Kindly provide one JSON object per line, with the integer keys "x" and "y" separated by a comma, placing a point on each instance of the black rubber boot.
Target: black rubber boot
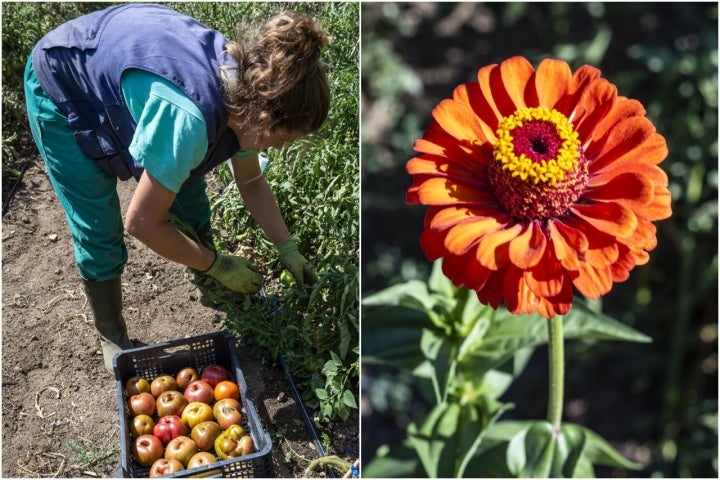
{"x": 105, "y": 300}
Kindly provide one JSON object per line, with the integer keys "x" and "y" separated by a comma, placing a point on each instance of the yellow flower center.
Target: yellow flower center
{"x": 538, "y": 145}
{"x": 540, "y": 170}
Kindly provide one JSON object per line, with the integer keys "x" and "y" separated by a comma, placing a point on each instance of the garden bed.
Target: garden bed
{"x": 59, "y": 403}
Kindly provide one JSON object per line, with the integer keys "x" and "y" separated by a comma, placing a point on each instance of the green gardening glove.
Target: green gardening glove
{"x": 235, "y": 273}
{"x": 300, "y": 268}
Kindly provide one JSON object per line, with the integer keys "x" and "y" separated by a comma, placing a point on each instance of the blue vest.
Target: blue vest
{"x": 79, "y": 66}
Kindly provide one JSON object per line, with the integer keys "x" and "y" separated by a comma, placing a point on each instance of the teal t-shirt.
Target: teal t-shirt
{"x": 171, "y": 135}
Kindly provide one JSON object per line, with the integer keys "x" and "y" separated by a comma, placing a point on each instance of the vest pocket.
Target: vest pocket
{"x": 100, "y": 145}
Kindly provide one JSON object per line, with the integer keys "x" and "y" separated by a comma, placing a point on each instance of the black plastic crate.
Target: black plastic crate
{"x": 197, "y": 352}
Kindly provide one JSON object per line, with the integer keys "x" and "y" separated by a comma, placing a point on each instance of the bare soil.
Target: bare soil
{"x": 59, "y": 409}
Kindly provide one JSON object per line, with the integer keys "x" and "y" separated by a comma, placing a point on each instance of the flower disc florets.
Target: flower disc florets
{"x": 539, "y": 168}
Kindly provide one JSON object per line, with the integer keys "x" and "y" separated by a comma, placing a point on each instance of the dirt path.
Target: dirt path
{"x": 60, "y": 417}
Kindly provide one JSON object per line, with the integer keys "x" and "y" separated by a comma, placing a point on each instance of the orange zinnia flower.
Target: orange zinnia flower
{"x": 538, "y": 180}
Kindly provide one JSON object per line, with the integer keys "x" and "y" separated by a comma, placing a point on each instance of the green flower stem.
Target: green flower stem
{"x": 557, "y": 371}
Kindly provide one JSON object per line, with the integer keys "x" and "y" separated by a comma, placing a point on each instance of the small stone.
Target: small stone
{"x": 53, "y": 237}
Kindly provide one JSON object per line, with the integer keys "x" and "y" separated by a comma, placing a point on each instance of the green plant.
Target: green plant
{"x": 85, "y": 455}
{"x": 468, "y": 356}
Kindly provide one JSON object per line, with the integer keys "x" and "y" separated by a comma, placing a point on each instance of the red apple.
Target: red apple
{"x": 163, "y": 466}
{"x": 205, "y": 433}
{"x": 214, "y": 374}
{"x": 199, "y": 391}
{"x": 185, "y": 377}
{"x": 146, "y": 449}
{"x": 226, "y": 415}
{"x": 171, "y": 402}
{"x": 226, "y": 401}
{"x": 181, "y": 448}
{"x": 196, "y": 412}
{"x": 169, "y": 427}
{"x": 141, "y": 425}
{"x": 202, "y": 459}
{"x": 141, "y": 404}
{"x": 136, "y": 384}
{"x": 161, "y": 384}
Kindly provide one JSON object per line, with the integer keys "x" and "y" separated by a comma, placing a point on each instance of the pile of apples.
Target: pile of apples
{"x": 186, "y": 421}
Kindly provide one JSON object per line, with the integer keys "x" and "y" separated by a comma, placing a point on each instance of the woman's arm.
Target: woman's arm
{"x": 259, "y": 198}
{"x": 145, "y": 220}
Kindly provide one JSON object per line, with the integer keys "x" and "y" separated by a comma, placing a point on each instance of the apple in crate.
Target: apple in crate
{"x": 214, "y": 374}
{"x": 181, "y": 448}
{"x": 199, "y": 391}
{"x": 163, "y": 466}
{"x": 171, "y": 402}
{"x": 146, "y": 449}
{"x": 169, "y": 427}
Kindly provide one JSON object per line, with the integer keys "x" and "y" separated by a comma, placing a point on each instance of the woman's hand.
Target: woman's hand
{"x": 300, "y": 268}
{"x": 236, "y": 273}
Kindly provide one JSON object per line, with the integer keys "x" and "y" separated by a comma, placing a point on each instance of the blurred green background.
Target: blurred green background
{"x": 656, "y": 403}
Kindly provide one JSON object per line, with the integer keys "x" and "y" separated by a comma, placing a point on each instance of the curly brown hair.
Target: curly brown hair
{"x": 280, "y": 78}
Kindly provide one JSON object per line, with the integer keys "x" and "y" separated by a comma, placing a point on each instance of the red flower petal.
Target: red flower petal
{"x": 570, "y": 244}
{"x": 491, "y": 293}
{"x": 547, "y": 278}
{"x": 462, "y": 237}
{"x": 649, "y": 172}
{"x": 459, "y": 121}
{"x": 470, "y": 95}
{"x": 492, "y": 251}
{"x": 596, "y": 101}
{"x": 518, "y": 296}
{"x": 516, "y": 73}
{"x": 623, "y": 140}
{"x": 440, "y": 167}
{"x": 593, "y": 282}
{"x": 551, "y": 81}
{"x": 450, "y": 216}
{"x": 439, "y": 191}
{"x": 579, "y": 81}
{"x": 528, "y": 248}
{"x": 560, "y": 304}
{"x": 432, "y": 243}
{"x": 611, "y": 218}
{"x": 629, "y": 189}
{"x": 621, "y": 109}
{"x": 660, "y": 208}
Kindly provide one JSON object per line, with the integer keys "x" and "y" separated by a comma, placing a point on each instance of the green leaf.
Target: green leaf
{"x": 572, "y": 444}
{"x": 398, "y": 461}
{"x": 410, "y": 294}
{"x": 449, "y": 438}
{"x": 490, "y": 462}
{"x": 533, "y": 451}
{"x": 435, "y": 440}
{"x": 540, "y": 451}
{"x": 392, "y": 335}
{"x": 585, "y": 323}
{"x": 599, "y": 451}
{"x": 477, "y": 442}
{"x": 439, "y": 283}
{"x": 349, "y": 399}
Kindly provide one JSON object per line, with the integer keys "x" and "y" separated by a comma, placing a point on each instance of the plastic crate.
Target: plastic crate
{"x": 197, "y": 352}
